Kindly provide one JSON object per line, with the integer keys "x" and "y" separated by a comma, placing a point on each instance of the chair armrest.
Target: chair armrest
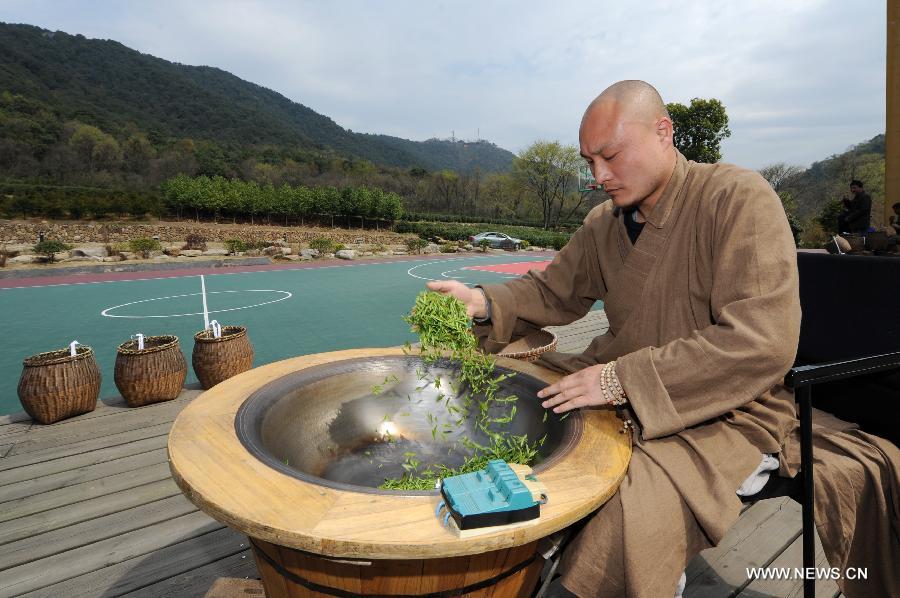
{"x": 807, "y": 375}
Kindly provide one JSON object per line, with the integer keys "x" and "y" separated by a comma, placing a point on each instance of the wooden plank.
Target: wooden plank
{"x": 146, "y": 570}
{"x": 77, "y": 430}
{"x": 83, "y": 492}
{"x": 34, "y": 547}
{"x": 46, "y": 456}
{"x": 197, "y": 581}
{"x": 100, "y": 555}
{"x": 793, "y": 588}
{"x": 73, "y": 477}
{"x": 764, "y": 531}
{"x": 21, "y": 420}
{"x": 66, "y": 515}
{"x": 13, "y": 418}
{"x": 64, "y": 464}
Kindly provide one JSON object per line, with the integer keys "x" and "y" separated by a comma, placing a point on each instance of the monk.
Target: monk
{"x": 696, "y": 267}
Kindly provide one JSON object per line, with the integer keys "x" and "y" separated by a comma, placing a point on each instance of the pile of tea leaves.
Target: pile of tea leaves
{"x": 444, "y": 333}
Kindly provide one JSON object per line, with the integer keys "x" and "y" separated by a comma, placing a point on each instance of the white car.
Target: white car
{"x": 498, "y": 240}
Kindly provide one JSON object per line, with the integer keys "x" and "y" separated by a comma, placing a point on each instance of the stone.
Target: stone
{"x": 399, "y": 252}
{"x": 286, "y": 251}
{"x": 272, "y": 250}
{"x": 24, "y": 259}
{"x": 129, "y": 255}
{"x": 293, "y": 258}
{"x": 309, "y": 253}
{"x": 82, "y": 258}
{"x": 432, "y": 248}
{"x": 191, "y": 253}
{"x": 216, "y": 252}
{"x": 76, "y": 238}
{"x": 162, "y": 257}
{"x": 95, "y": 252}
{"x": 61, "y": 256}
{"x": 328, "y": 256}
{"x": 346, "y": 254}
{"x": 113, "y": 258}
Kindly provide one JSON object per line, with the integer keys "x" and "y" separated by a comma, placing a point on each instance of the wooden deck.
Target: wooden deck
{"x": 88, "y": 508}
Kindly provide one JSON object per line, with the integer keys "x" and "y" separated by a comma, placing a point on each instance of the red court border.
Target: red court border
{"x": 88, "y": 278}
{"x": 512, "y": 268}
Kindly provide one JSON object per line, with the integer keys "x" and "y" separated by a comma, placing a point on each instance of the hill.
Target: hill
{"x": 119, "y": 90}
{"x": 829, "y": 179}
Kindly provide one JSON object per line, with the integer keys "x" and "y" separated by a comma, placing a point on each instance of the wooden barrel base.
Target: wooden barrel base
{"x": 290, "y": 573}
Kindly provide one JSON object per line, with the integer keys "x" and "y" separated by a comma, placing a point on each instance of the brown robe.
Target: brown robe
{"x": 704, "y": 321}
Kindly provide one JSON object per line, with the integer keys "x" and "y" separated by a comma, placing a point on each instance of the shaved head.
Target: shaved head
{"x": 635, "y": 100}
{"x": 626, "y": 137}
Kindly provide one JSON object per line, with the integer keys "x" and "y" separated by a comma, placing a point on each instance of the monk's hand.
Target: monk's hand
{"x": 581, "y": 389}
{"x": 476, "y": 306}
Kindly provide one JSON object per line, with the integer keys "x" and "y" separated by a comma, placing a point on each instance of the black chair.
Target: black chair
{"x": 849, "y": 343}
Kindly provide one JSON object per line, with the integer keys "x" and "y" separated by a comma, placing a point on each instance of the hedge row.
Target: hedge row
{"x": 411, "y": 216}
{"x": 236, "y": 198}
{"x": 458, "y": 231}
{"x": 54, "y": 202}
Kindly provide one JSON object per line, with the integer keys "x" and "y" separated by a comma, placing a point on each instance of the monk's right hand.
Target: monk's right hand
{"x": 476, "y": 305}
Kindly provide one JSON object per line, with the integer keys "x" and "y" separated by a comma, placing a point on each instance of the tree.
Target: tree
{"x": 548, "y": 169}
{"x": 700, "y": 129}
{"x": 779, "y": 174}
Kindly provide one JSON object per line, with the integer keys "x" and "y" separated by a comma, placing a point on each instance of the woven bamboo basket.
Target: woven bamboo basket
{"x": 218, "y": 359}
{"x": 152, "y": 374}
{"x": 56, "y": 385}
{"x": 529, "y": 348}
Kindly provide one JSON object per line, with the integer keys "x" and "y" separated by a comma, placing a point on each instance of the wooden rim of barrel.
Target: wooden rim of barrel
{"x": 218, "y": 474}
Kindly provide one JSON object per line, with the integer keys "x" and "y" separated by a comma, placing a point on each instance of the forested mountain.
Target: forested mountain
{"x": 123, "y": 92}
{"x": 826, "y": 181}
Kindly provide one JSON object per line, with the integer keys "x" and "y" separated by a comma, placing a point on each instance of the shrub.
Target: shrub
{"x": 379, "y": 248}
{"x": 415, "y": 245}
{"x": 322, "y": 244}
{"x": 525, "y": 244}
{"x": 195, "y": 241}
{"x": 235, "y": 245}
{"x": 144, "y": 246}
{"x": 338, "y": 247}
{"x": 462, "y": 231}
{"x": 49, "y": 248}
{"x": 484, "y": 244}
{"x": 448, "y": 248}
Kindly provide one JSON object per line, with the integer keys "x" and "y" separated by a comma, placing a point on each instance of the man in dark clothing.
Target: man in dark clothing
{"x": 857, "y": 210}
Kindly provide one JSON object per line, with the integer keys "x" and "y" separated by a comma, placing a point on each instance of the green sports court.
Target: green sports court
{"x": 288, "y": 310}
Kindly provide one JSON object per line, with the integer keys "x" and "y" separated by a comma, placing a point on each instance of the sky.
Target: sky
{"x": 801, "y": 80}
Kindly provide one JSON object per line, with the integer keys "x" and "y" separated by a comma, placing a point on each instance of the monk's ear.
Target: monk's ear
{"x": 664, "y": 130}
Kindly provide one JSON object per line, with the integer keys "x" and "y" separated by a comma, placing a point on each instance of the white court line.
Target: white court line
{"x": 205, "y": 309}
{"x": 431, "y": 264}
{"x": 286, "y": 295}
